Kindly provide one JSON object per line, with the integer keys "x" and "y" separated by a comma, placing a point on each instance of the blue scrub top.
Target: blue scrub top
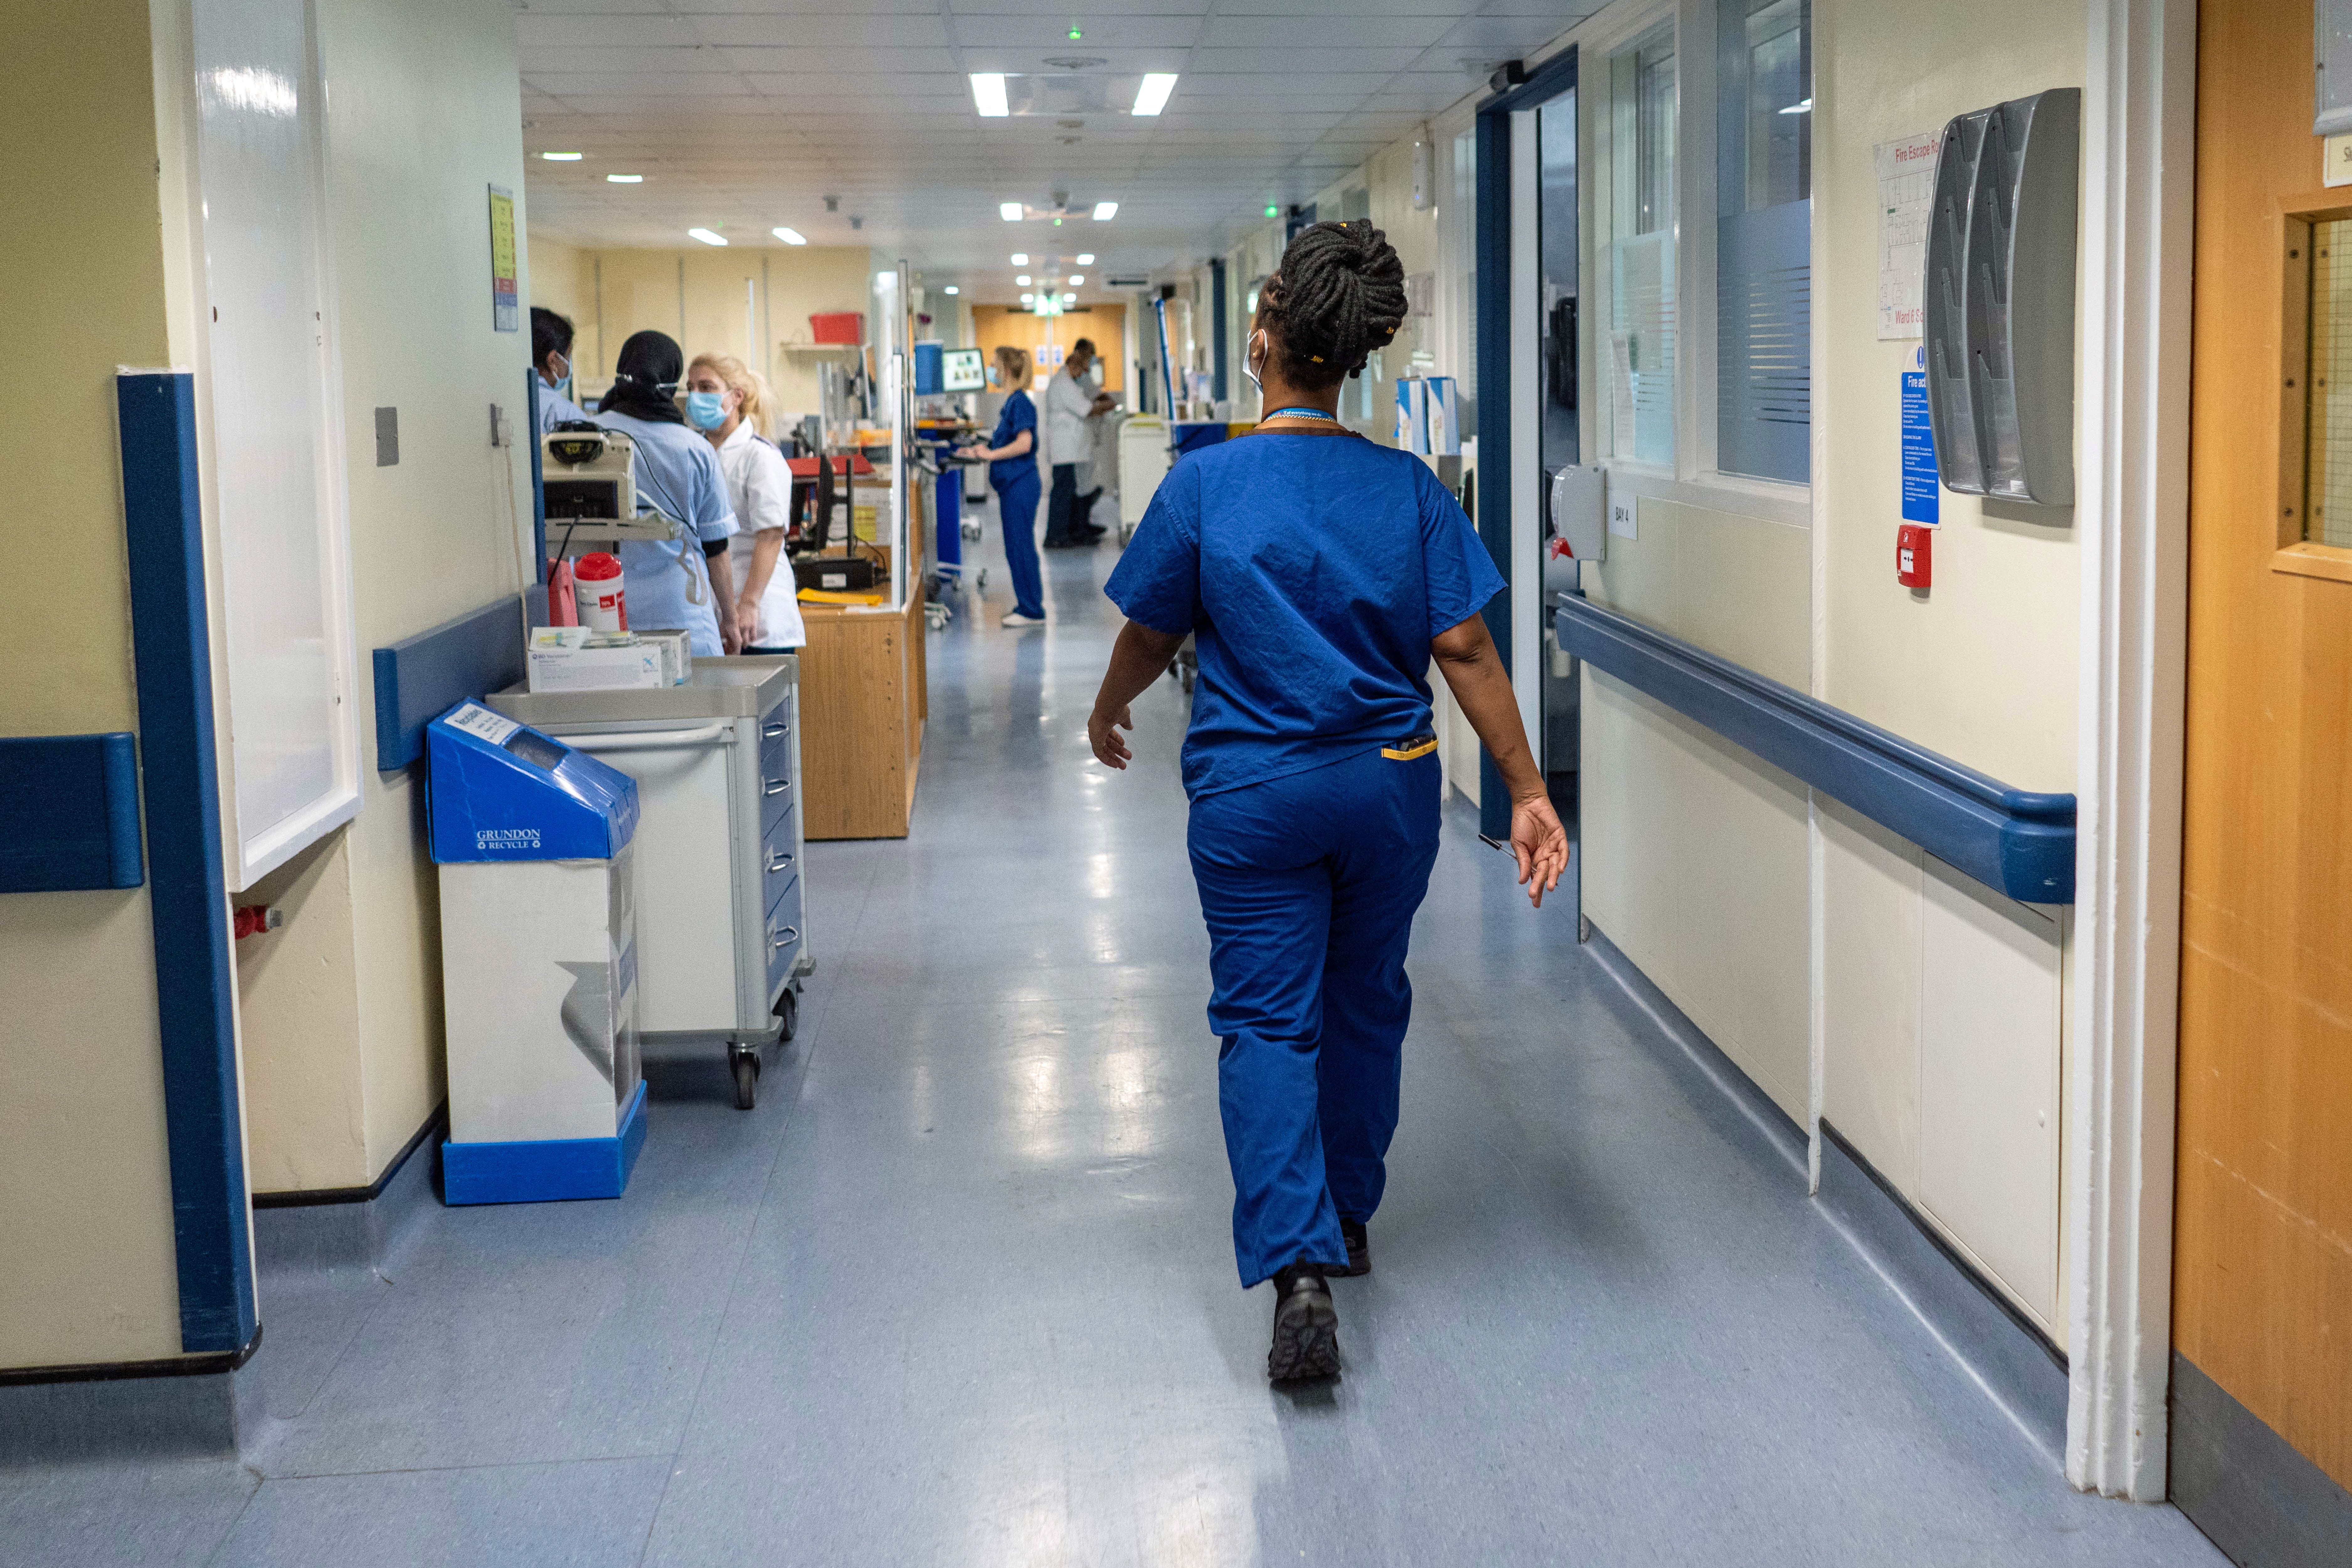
{"x": 1314, "y": 570}
{"x": 1019, "y": 414}
{"x": 551, "y": 407}
{"x": 678, "y": 472}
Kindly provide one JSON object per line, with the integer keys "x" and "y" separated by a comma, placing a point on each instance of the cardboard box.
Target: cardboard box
{"x": 1444, "y": 416}
{"x": 575, "y": 659}
{"x": 678, "y": 654}
{"x": 1413, "y": 415}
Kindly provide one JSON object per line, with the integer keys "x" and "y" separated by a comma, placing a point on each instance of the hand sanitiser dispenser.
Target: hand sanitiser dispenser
{"x": 539, "y": 956}
{"x": 2000, "y": 299}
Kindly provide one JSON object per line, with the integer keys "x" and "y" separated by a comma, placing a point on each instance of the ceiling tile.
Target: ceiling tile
{"x": 911, "y": 33}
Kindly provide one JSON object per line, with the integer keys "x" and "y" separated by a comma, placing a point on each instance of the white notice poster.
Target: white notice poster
{"x": 1907, "y": 191}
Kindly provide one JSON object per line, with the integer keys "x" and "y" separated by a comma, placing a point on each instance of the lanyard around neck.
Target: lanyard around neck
{"x": 1302, "y": 412}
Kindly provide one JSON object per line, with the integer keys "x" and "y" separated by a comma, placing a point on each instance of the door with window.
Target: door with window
{"x": 1560, "y": 440}
{"x": 2263, "y": 1263}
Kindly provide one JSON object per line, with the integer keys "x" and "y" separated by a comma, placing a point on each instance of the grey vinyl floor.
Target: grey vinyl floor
{"x": 961, "y": 1289}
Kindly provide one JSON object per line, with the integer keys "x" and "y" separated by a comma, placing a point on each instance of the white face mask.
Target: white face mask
{"x": 1249, "y": 366}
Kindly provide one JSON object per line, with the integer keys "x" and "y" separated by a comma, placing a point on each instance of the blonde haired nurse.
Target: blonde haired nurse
{"x": 730, "y": 402}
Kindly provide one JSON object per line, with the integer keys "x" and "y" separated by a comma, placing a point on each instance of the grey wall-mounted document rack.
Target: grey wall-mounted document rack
{"x": 2001, "y": 299}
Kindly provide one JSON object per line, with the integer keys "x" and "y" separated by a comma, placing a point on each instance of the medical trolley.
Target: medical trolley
{"x": 722, "y": 923}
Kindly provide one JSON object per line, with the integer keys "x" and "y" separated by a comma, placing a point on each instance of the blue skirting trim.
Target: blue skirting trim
{"x": 542, "y": 1171}
{"x": 2017, "y": 841}
{"x": 417, "y": 678}
{"x": 69, "y": 813}
{"x": 172, "y": 658}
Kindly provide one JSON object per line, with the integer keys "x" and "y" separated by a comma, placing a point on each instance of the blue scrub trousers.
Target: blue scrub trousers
{"x": 1016, "y": 511}
{"x": 1309, "y": 884}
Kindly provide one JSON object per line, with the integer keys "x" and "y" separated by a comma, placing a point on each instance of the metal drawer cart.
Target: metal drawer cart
{"x": 722, "y": 942}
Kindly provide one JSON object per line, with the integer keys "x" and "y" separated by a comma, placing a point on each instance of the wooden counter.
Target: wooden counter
{"x": 864, "y": 697}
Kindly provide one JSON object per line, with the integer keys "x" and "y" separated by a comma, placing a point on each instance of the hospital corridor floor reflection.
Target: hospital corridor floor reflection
{"x": 960, "y": 1290}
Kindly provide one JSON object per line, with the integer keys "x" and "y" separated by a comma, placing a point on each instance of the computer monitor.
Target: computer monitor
{"x": 963, "y": 370}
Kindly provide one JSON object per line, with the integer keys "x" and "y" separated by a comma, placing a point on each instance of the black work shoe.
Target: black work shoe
{"x": 1306, "y": 1326}
{"x": 1360, "y": 1251}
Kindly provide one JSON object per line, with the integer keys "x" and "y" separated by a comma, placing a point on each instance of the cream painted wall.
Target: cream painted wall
{"x": 86, "y": 1243}
{"x": 1696, "y": 852}
{"x": 555, "y": 278}
{"x": 697, "y": 297}
{"x": 1694, "y": 867}
{"x": 1980, "y": 668}
{"x": 342, "y": 1008}
{"x": 1738, "y": 586}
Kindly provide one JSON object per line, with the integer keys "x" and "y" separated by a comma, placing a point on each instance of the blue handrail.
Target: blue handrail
{"x": 2021, "y": 842}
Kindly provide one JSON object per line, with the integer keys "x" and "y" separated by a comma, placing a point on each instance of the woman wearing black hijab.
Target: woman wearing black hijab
{"x": 686, "y": 582}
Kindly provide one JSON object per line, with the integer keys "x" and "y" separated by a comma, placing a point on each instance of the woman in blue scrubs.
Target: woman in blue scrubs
{"x": 1321, "y": 575}
{"x": 1011, "y": 458}
{"x": 686, "y": 583}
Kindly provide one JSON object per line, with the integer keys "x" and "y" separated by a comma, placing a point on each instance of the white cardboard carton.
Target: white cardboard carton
{"x": 575, "y": 659}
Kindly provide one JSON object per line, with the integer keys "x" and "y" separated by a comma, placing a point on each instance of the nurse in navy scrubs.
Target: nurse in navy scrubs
{"x": 1011, "y": 458}
{"x": 1321, "y": 575}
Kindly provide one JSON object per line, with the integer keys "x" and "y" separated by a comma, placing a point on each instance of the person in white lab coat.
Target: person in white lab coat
{"x": 730, "y": 402}
{"x": 1070, "y": 406}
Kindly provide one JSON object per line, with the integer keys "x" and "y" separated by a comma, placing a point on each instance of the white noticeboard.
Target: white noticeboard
{"x": 1907, "y": 193}
{"x": 270, "y": 415}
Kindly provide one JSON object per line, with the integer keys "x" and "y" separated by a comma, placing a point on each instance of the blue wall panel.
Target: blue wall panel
{"x": 418, "y": 677}
{"x": 69, "y": 813}
{"x": 172, "y": 658}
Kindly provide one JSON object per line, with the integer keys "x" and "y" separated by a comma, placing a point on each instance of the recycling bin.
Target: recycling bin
{"x": 539, "y": 960}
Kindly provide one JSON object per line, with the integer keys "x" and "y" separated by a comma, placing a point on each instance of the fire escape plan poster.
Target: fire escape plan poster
{"x": 1907, "y": 191}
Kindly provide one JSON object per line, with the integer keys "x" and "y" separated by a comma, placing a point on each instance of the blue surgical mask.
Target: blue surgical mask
{"x": 705, "y": 410}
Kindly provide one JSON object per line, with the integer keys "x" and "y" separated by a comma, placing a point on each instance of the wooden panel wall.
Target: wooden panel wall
{"x": 1106, "y": 324}
{"x": 2263, "y": 1283}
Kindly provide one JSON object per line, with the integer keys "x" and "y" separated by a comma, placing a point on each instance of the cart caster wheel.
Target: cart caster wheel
{"x": 747, "y": 1081}
{"x": 1186, "y": 679}
{"x": 788, "y": 1008}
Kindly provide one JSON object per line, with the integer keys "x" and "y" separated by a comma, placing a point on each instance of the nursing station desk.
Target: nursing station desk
{"x": 722, "y": 923}
{"x": 864, "y": 695}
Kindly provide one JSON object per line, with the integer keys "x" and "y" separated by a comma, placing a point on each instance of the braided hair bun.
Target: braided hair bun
{"x": 1340, "y": 294}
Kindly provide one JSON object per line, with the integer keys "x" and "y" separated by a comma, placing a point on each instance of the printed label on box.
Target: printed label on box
{"x": 479, "y": 720}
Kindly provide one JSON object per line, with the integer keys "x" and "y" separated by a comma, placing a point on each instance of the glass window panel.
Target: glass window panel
{"x": 2328, "y": 461}
{"x": 1556, "y": 224}
{"x": 1764, "y": 239}
{"x": 1642, "y": 105}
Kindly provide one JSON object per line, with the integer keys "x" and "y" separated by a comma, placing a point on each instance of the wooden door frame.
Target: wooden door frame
{"x": 2138, "y": 235}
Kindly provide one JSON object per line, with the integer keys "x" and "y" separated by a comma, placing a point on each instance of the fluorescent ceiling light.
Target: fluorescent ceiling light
{"x": 1009, "y": 211}
{"x": 1106, "y": 210}
{"x": 561, "y": 157}
{"x": 1023, "y": 278}
{"x": 1086, "y": 258}
{"x": 887, "y": 279}
{"x": 1027, "y": 299}
{"x": 1077, "y": 277}
{"x": 988, "y": 94}
{"x": 1020, "y": 259}
{"x": 706, "y": 236}
{"x": 626, "y": 179}
{"x": 790, "y": 235}
{"x": 1803, "y": 106}
{"x": 1069, "y": 299}
{"x": 951, "y": 288}
{"x": 1152, "y": 96}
